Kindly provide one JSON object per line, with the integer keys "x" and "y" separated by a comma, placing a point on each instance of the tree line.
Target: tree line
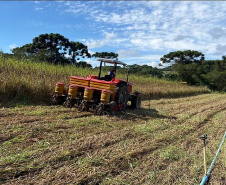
{"x": 188, "y": 66}
{"x": 57, "y": 49}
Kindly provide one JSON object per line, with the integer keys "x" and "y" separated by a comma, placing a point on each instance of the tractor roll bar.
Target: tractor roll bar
{"x": 111, "y": 61}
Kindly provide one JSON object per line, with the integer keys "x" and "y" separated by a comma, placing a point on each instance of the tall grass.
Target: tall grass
{"x": 35, "y": 81}
{"x": 161, "y": 88}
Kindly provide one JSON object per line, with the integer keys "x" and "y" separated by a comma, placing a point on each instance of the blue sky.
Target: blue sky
{"x": 141, "y": 32}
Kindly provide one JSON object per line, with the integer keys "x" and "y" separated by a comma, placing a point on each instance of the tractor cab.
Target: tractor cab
{"x": 108, "y": 77}
{"x": 112, "y": 68}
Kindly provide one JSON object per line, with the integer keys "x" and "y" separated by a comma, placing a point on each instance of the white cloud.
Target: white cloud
{"x": 38, "y": 8}
{"x": 153, "y": 64}
{"x": 217, "y": 32}
{"x": 181, "y": 37}
{"x": 146, "y": 59}
{"x": 154, "y": 26}
{"x": 200, "y": 10}
{"x": 170, "y": 26}
{"x": 12, "y": 46}
{"x": 221, "y": 48}
{"x": 128, "y": 53}
{"x": 78, "y": 7}
{"x": 137, "y": 16}
{"x": 101, "y": 42}
{"x": 93, "y": 62}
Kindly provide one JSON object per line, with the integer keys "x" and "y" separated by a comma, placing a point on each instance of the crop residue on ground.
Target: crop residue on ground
{"x": 158, "y": 144}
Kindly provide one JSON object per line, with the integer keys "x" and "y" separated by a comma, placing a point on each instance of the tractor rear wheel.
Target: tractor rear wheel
{"x": 122, "y": 96}
{"x": 136, "y": 101}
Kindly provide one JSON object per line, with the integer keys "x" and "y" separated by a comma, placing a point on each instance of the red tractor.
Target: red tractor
{"x": 101, "y": 93}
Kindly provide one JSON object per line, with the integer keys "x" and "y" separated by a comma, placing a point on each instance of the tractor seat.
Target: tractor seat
{"x": 108, "y": 77}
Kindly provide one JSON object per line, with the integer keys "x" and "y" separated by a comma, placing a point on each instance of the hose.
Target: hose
{"x": 206, "y": 177}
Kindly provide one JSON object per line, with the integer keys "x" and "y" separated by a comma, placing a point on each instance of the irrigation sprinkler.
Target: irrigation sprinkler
{"x": 204, "y": 137}
{"x": 207, "y": 175}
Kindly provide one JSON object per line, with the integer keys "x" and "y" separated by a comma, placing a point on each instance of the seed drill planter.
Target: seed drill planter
{"x": 103, "y": 94}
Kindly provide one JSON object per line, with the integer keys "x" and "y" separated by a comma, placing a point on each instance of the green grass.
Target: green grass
{"x": 171, "y": 153}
